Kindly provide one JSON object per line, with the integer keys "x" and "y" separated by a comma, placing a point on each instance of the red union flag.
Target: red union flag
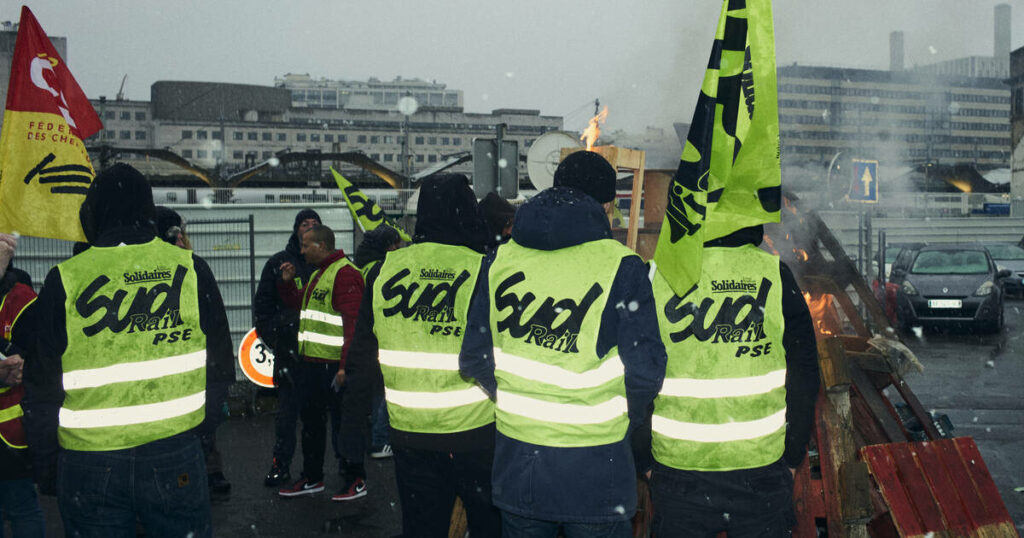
{"x": 44, "y": 168}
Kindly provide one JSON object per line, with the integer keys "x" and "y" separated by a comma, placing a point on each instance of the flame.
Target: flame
{"x": 593, "y": 131}
{"x": 771, "y": 244}
{"x": 801, "y": 254}
{"x": 823, "y": 311}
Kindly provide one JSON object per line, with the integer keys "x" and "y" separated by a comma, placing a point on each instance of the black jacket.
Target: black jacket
{"x": 585, "y": 484}
{"x": 43, "y": 373}
{"x": 278, "y": 325}
{"x": 15, "y": 464}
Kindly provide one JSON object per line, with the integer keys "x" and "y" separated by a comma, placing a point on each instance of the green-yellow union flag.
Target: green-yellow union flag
{"x": 729, "y": 176}
{"x": 368, "y": 215}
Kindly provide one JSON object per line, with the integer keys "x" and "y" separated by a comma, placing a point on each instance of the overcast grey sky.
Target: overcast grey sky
{"x": 644, "y": 59}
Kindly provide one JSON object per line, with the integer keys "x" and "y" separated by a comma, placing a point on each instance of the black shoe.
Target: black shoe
{"x": 278, "y": 475}
{"x": 218, "y": 484}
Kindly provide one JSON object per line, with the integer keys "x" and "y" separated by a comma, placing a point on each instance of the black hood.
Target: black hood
{"x": 560, "y": 217}
{"x": 446, "y": 213}
{"x": 751, "y": 235}
{"x": 375, "y": 245}
{"x": 166, "y": 218}
{"x": 119, "y": 197}
{"x": 307, "y": 213}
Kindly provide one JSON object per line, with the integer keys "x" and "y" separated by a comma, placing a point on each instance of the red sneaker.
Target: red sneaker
{"x": 302, "y": 487}
{"x": 352, "y": 490}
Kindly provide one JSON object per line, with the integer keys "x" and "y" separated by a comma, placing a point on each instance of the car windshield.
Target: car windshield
{"x": 1006, "y": 252}
{"x": 891, "y": 253}
{"x": 950, "y": 262}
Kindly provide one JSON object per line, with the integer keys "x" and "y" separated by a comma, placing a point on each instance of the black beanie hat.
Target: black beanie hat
{"x": 120, "y": 196}
{"x": 497, "y": 213}
{"x": 446, "y": 213}
{"x": 166, "y": 218}
{"x": 307, "y": 213}
{"x": 589, "y": 172}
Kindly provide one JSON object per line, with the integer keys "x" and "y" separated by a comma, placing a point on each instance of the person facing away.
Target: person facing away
{"x": 734, "y": 415}
{"x": 562, "y": 330}
{"x": 410, "y": 327}
{"x": 131, "y": 333}
{"x": 327, "y": 305}
{"x": 18, "y": 500}
{"x": 499, "y": 215}
{"x": 278, "y": 327}
{"x": 170, "y": 227}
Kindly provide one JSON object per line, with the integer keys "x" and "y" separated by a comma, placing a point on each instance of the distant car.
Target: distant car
{"x": 1009, "y": 257}
{"x": 949, "y": 285}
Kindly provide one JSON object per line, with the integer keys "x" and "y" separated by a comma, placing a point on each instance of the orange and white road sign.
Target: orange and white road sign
{"x": 256, "y": 360}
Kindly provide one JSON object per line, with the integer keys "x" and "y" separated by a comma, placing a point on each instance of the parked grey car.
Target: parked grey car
{"x": 1010, "y": 257}
{"x": 950, "y": 285}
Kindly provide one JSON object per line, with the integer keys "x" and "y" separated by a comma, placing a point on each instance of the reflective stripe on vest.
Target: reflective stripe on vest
{"x": 134, "y": 370}
{"x": 722, "y": 405}
{"x": 553, "y": 389}
{"x": 321, "y": 329}
{"x": 421, "y": 301}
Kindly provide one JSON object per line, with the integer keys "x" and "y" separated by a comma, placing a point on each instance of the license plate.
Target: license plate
{"x": 944, "y": 303}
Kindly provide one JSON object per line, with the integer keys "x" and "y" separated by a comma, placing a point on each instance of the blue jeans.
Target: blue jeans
{"x": 513, "y": 526}
{"x": 21, "y": 506}
{"x": 379, "y": 435}
{"x": 162, "y": 483}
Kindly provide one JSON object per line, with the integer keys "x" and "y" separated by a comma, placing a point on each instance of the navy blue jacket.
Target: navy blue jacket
{"x": 586, "y": 484}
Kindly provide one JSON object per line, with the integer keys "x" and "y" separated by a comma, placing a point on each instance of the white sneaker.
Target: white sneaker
{"x": 381, "y": 453}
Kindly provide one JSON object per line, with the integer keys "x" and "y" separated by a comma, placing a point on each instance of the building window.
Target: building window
{"x": 236, "y": 155}
{"x": 237, "y": 135}
{"x": 300, "y": 137}
{"x": 109, "y": 135}
{"x": 419, "y": 140}
{"x": 375, "y": 156}
{"x": 109, "y": 115}
{"x": 432, "y": 141}
{"x": 389, "y": 140}
{"x": 389, "y": 157}
{"x": 419, "y": 158}
{"x": 140, "y": 135}
{"x": 375, "y": 140}
{"x": 267, "y": 137}
{"x": 217, "y": 135}
{"x": 328, "y": 138}
{"x": 432, "y": 159}
{"x": 126, "y": 115}
{"x": 186, "y": 153}
{"x": 185, "y": 135}
{"x": 315, "y": 137}
{"x": 444, "y": 140}
{"x": 361, "y": 139}
{"x": 124, "y": 135}
{"x": 253, "y": 135}
{"x": 342, "y": 138}
{"x": 200, "y": 153}
{"x": 267, "y": 155}
{"x": 140, "y": 116}
{"x": 282, "y": 137}
{"x": 172, "y": 197}
{"x": 202, "y": 135}
{"x": 457, "y": 141}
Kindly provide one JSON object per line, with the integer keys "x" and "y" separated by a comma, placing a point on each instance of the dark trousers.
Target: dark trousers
{"x": 287, "y": 417}
{"x": 20, "y": 506}
{"x": 744, "y": 503}
{"x": 317, "y": 402}
{"x": 162, "y": 484}
{"x": 429, "y": 481}
{"x": 514, "y": 526}
{"x": 216, "y": 396}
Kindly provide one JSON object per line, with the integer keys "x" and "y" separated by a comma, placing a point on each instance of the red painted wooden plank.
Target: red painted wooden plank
{"x": 913, "y": 480}
{"x": 945, "y": 492}
{"x": 987, "y": 490}
{"x": 807, "y": 501}
{"x": 883, "y": 469}
{"x": 956, "y": 468}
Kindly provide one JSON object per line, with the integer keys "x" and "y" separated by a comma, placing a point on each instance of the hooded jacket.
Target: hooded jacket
{"x": 276, "y": 323}
{"x": 586, "y": 484}
{"x": 446, "y": 214}
{"x": 118, "y": 209}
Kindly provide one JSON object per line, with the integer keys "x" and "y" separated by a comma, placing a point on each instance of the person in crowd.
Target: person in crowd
{"x": 499, "y": 215}
{"x": 131, "y": 335}
{"x": 18, "y": 500}
{"x": 170, "y": 227}
{"x": 410, "y": 327}
{"x": 328, "y": 305}
{"x": 371, "y": 251}
{"x": 278, "y": 328}
{"x": 734, "y": 415}
{"x": 562, "y": 331}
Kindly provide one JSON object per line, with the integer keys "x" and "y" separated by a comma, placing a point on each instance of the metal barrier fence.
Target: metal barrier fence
{"x": 227, "y": 246}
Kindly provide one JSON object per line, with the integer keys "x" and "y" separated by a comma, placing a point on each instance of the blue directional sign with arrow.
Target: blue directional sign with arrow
{"x": 864, "y": 184}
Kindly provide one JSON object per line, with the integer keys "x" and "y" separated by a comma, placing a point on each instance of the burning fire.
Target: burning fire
{"x": 823, "y": 311}
{"x": 593, "y": 131}
{"x": 801, "y": 254}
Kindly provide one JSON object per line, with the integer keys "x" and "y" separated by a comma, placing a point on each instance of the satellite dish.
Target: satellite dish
{"x": 544, "y": 155}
